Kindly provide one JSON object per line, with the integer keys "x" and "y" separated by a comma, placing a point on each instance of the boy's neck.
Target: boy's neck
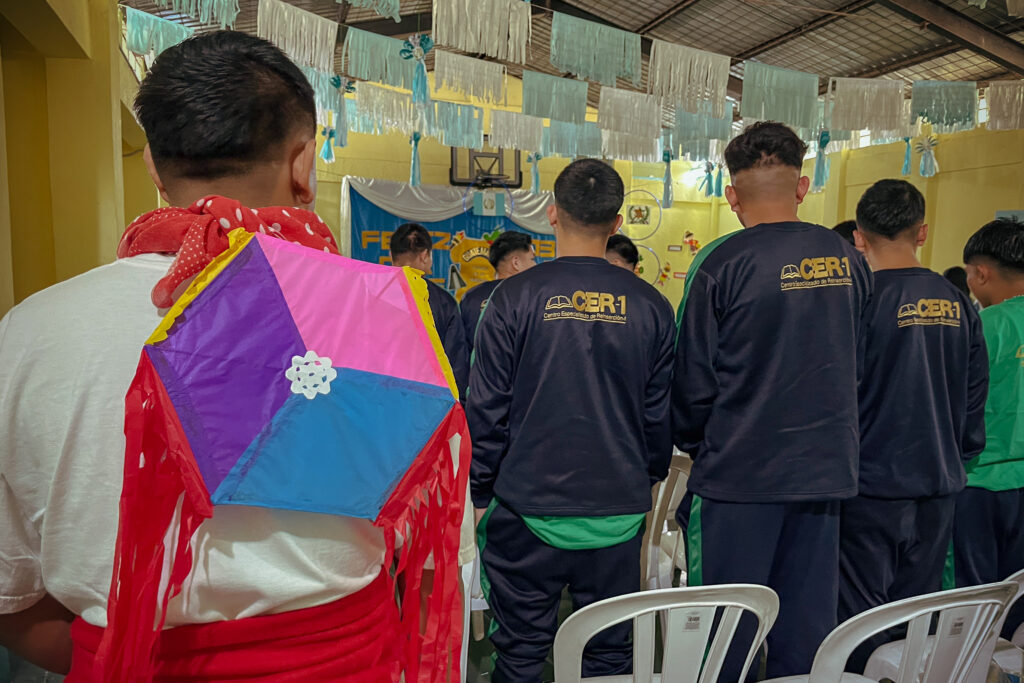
{"x": 1008, "y": 290}
{"x": 892, "y": 255}
{"x": 572, "y": 244}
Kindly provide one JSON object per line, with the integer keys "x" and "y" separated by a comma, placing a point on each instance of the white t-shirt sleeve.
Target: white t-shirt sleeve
{"x": 21, "y": 577}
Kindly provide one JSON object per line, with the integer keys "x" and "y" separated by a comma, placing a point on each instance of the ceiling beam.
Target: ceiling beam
{"x": 666, "y": 15}
{"x": 963, "y": 30}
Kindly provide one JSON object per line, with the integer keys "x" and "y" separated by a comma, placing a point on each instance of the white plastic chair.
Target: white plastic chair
{"x": 660, "y": 550}
{"x": 966, "y": 617}
{"x": 691, "y": 613}
{"x": 885, "y": 661}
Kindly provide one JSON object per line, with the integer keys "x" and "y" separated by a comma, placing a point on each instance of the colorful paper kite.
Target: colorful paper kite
{"x": 290, "y": 378}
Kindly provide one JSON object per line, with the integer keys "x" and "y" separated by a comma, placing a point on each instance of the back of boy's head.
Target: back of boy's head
{"x": 1001, "y": 244}
{"x": 508, "y": 243}
{"x": 589, "y": 193}
{"x": 764, "y": 145}
{"x": 410, "y": 238}
{"x": 891, "y": 209}
{"x": 220, "y": 104}
{"x": 957, "y": 276}
{"x": 845, "y": 230}
{"x": 624, "y": 247}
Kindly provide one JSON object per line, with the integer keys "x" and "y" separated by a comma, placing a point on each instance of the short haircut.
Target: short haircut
{"x": 590, "y": 191}
{"x": 889, "y": 208}
{"x": 624, "y": 247}
{"x": 508, "y": 243}
{"x": 763, "y": 145}
{"x": 957, "y": 276}
{"x": 1001, "y": 241}
{"x": 410, "y": 238}
{"x": 845, "y": 230}
{"x": 218, "y": 103}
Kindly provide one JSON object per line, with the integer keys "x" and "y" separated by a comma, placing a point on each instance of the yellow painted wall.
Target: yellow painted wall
{"x": 6, "y": 255}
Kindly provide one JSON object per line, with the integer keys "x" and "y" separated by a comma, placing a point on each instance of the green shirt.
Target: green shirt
{"x": 584, "y": 533}
{"x": 1000, "y": 467}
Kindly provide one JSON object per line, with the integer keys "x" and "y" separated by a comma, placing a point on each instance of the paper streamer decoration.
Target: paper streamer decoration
{"x": 708, "y": 183}
{"x": 328, "y": 97}
{"x": 821, "y": 163}
{"x": 563, "y": 139}
{"x": 905, "y": 171}
{"x": 327, "y": 150}
{"x": 718, "y": 184}
{"x": 496, "y": 28}
{"x": 551, "y": 97}
{"x": 926, "y": 148}
{"x": 1005, "y": 105}
{"x": 219, "y": 12}
{"x": 460, "y": 125}
{"x": 381, "y": 110}
{"x": 694, "y": 134}
{"x": 307, "y": 38}
{"x": 1015, "y": 8}
{"x": 618, "y": 145}
{"x": 688, "y": 77}
{"x": 373, "y": 57}
{"x": 415, "y": 49}
{"x": 145, "y": 32}
{"x": 385, "y": 8}
{"x": 468, "y": 76}
{"x": 667, "y": 182}
{"x": 594, "y": 51}
{"x": 533, "y": 160}
{"x": 950, "y": 106}
{"x": 414, "y": 166}
{"x": 512, "y": 130}
{"x": 629, "y": 112}
{"x": 771, "y": 93}
{"x": 866, "y": 103}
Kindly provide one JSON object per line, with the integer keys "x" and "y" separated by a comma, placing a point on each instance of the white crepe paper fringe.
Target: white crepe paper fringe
{"x": 385, "y": 8}
{"x": 571, "y": 140}
{"x": 1005, "y": 105}
{"x": 496, "y": 28}
{"x": 702, "y": 126}
{"x": 145, "y": 33}
{"x": 468, "y": 76}
{"x": 373, "y": 57}
{"x": 1015, "y": 8}
{"x": 771, "y": 93}
{"x": 616, "y": 145}
{"x": 512, "y": 130}
{"x": 688, "y": 77}
{"x": 219, "y": 12}
{"x": 866, "y": 103}
{"x": 382, "y": 110}
{"x": 328, "y": 98}
{"x": 950, "y": 106}
{"x": 594, "y": 51}
{"x": 629, "y": 112}
{"x": 551, "y": 97}
{"x": 460, "y": 125}
{"x": 307, "y": 38}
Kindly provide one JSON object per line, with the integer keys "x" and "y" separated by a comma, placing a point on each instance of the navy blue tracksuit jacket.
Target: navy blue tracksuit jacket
{"x": 471, "y": 306}
{"x": 449, "y": 328}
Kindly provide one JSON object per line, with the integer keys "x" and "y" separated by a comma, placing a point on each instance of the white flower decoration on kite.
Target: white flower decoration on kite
{"x": 311, "y": 375}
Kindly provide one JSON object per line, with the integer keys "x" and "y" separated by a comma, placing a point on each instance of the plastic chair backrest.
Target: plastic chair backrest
{"x": 966, "y": 618}
{"x": 691, "y": 614}
{"x": 980, "y": 670}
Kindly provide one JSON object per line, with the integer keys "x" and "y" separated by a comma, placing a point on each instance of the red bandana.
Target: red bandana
{"x": 199, "y": 233}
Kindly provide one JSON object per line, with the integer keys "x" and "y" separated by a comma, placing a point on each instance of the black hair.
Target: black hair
{"x": 507, "y": 243}
{"x": 889, "y": 208}
{"x": 1002, "y": 241}
{"x": 216, "y": 103}
{"x": 624, "y": 247}
{"x": 590, "y": 191}
{"x": 410, "y": 238}
{"x": 765, "y": 144}
{"x": 958, "y": 277}
{"x": 845, "y": 230}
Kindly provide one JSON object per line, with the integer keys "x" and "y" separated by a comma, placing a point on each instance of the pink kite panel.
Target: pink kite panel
{"x": 392, "y": 342}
